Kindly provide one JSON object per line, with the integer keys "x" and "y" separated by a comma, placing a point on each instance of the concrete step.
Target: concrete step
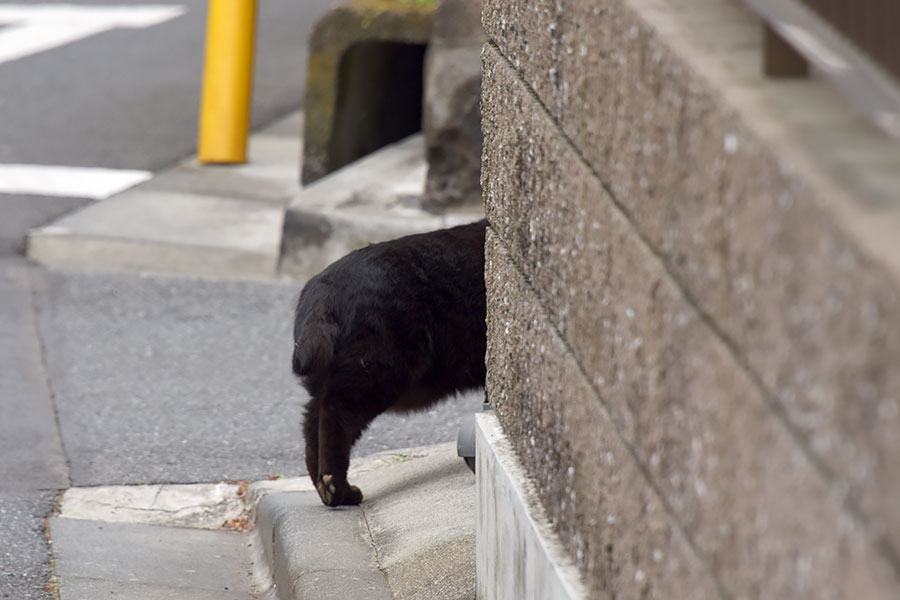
{"x": 249, "y": 221}
{"x": 218, "y": 221}
{"x": 413, "y": 536}
{"x": 376, "y": 198}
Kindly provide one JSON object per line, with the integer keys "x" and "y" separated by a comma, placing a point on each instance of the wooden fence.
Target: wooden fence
{"x": 854, "y": 42}
{"x": 872, "y": 25}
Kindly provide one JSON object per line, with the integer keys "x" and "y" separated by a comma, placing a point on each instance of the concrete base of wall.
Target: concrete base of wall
{"x": 517, "y": 554}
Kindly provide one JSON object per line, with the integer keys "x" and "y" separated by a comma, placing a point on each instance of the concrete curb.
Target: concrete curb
{"x": 413, "y": 536}
{"x": 208, "y": 221}
{"x": 315, "y": 552}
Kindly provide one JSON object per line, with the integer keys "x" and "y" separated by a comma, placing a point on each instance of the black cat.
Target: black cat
{"x": 395, "y": 326}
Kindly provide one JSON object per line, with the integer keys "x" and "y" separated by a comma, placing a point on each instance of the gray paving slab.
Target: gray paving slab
{"x": 167, "y": 232}
{"x": 83, "y": 588}
{"x": 214, "y": 220}
{"x": 29, "y": 439}
{"x": 133, "y": 560}
{"x": 176, "y": 380}
{"x": 270, "y": 178}
{"x": 196, "y": 505}
{"x": 25, "y": 567}
{"x": 177, "y": 218}
{"x": 290, "y": 126}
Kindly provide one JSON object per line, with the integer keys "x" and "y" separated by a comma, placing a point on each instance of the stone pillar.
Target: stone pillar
{"x": 452, "y": 119}
{"x": 363, "y": 82}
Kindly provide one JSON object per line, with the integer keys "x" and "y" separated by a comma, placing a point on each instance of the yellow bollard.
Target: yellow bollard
{"x": 227, "y": 82}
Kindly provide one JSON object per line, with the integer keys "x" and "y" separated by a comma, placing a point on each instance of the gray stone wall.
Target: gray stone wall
{"x": 693, "y": 348}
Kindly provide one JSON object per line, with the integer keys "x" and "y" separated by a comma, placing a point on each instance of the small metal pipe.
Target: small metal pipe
{"x": 227, "y": 82}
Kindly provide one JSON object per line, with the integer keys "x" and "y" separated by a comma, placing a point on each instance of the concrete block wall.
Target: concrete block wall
{"x": 694, "y": 315}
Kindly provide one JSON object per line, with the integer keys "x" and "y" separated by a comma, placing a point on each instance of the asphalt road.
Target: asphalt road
{"x": 109, "y": 379}
{"x": 176, "y": 380}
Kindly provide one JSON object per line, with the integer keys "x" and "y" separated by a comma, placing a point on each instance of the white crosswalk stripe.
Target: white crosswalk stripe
{"x": 77, "y": 182}
{"x": 32, "y": 28}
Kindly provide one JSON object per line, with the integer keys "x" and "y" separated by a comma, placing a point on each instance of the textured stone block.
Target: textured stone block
{"x": 747, "y": 228}
{"x": 697, "y": 421}
{"x": 608, "y": 517}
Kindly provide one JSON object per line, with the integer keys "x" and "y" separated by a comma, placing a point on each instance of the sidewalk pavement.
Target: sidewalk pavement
{"x": 413, "y": 536}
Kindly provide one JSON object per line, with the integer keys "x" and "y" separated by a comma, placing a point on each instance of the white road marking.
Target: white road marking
{"x": 31, "y": 28}
{"x": 77, "y": 182}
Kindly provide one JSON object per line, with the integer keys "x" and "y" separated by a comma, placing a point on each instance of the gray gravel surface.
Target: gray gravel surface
{"x": 24, "y": 555}
{"x": 184, "y": 380}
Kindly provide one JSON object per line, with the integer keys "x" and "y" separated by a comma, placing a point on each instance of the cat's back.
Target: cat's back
{"x": 445, "y": 258}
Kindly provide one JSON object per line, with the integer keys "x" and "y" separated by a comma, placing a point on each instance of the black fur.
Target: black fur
{"x": 395, "y": 326}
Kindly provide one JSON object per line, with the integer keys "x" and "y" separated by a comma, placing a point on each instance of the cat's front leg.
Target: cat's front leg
{"x": 311, "y": 438}
{"x": 337, "y": 432}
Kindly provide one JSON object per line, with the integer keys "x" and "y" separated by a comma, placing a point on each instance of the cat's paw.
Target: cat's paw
{"x": 327, "y": 490}
{"x": 337, "y": 493}
{"x": 352, "y": 496}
